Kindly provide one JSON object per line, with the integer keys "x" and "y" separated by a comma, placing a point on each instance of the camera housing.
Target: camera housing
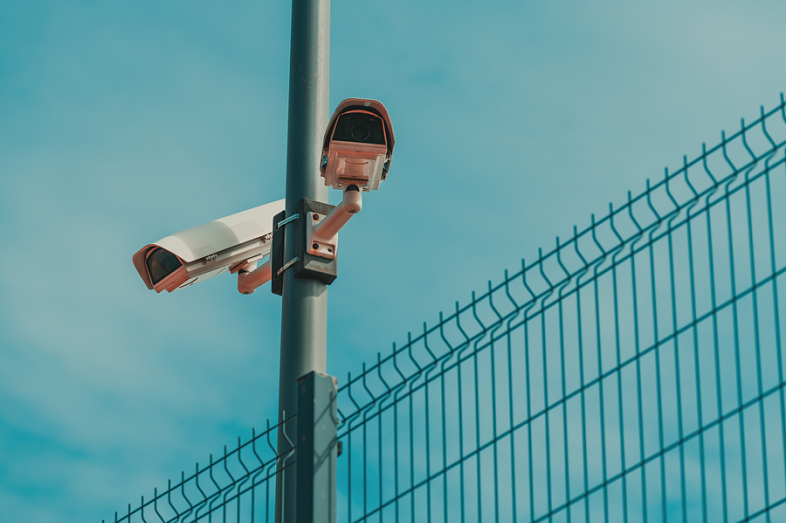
{"x": 231, "y": 244}
{"x": 358, "y": 145}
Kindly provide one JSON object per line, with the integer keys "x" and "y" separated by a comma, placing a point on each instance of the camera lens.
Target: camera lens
{"x": 359, "y": 126}
{"x": 161, "y": 263}
{"x": 360, "y": 132}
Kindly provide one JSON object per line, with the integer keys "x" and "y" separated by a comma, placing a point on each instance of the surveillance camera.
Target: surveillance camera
{"x": 235, "y": 244}
{"x": 356, "y": 155}
{"x": 358, "y": 145}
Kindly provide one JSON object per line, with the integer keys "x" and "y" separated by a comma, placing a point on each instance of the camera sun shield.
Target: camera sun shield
{"x": 202, "y": 252}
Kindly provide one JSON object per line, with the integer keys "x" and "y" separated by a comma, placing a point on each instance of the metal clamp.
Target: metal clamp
{"x": 288, "y": 220}
{"x": 287, "y": 265}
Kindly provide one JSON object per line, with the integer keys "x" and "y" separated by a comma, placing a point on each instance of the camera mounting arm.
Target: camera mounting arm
{"x": 249, "y": 278}
{"x": 321, "y": 231}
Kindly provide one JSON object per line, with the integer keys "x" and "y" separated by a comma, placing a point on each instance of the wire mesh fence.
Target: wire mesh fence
{"x": 238, "y": 486}
{"x": 632, "y": 373}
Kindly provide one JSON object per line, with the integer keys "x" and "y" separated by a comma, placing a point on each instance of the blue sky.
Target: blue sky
{"x": 122, "y": 122}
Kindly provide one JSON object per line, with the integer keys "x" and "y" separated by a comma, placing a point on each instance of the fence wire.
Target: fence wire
{"x": 632, "y": 373}
{"x": 238, "y": 486}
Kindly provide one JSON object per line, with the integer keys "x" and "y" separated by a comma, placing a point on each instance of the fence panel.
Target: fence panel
{"x": 632, "y": 373}
{"x": 238, "y": 486}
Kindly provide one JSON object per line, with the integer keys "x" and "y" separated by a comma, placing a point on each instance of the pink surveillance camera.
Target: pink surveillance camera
{"x": 358, "y": 145}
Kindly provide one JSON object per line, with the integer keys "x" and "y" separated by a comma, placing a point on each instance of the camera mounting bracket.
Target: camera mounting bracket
{"x": 316, "y": 244}
{"x": 304, "y": 264}
{"x": 322, "y": 229}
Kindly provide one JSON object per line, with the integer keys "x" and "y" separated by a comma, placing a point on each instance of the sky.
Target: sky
{"x": 122, "y": 122}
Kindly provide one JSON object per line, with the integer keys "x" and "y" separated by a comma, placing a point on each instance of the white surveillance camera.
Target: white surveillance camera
{"x": 235, "y": 244}
{"x": 358, "y": 145}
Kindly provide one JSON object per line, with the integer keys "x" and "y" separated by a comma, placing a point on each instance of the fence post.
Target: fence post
{"x": 317, "y": 446}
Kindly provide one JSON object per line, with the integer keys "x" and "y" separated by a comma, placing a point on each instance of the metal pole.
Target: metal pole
{"x": 304, "y": 301}
{"x": 317, "y": 447}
